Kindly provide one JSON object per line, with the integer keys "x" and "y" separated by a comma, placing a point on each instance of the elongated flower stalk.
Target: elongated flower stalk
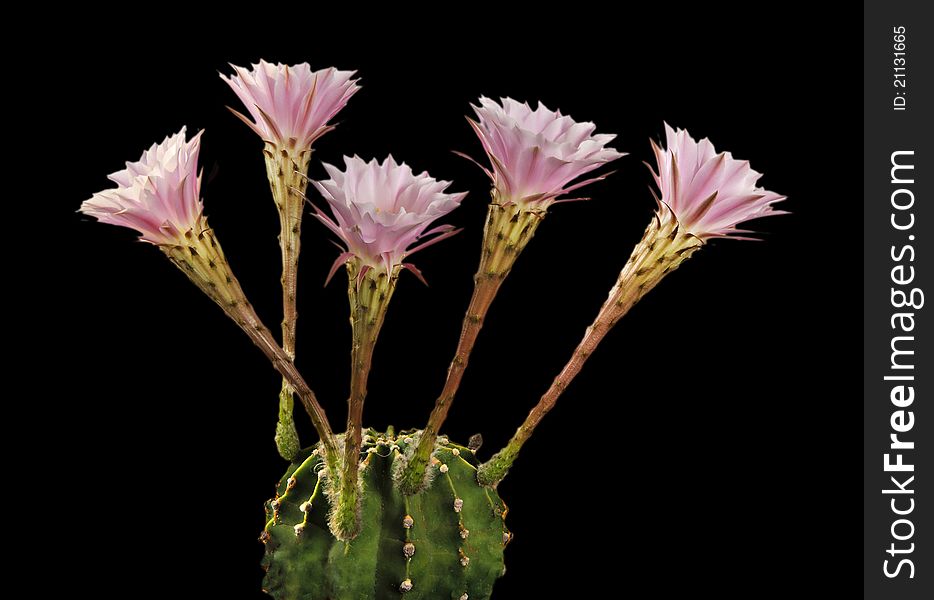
{"x": 159, "y": 196}
{"x": 290, "y": 106}
{"x": 704, "y": 195}
{"x": 536, "y": 155}
{"x": 380, "y": 211}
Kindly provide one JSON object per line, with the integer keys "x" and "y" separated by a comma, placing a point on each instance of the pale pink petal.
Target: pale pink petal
{"x": 159, "y": 195}
{"x": 415, "y": 271}
{"x": 536, "y": 154}
{"x": 291, "y": 104}
{"x": 709, "y": 193}
{"x": 382, "y": 210}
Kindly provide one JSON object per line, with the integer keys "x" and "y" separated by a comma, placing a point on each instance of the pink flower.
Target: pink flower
{"x": 159, "y": 195}
{"x": 381, "y": 210}
{"x": 536, "y": 154}
{"x": 291, "y": 104}
{"x": 709, "y": 193}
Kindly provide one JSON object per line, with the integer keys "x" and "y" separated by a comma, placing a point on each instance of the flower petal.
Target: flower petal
{"x": 158, "y": 196}
{"x": 382, "y": 211}
{"x": 291, "y": 104}
{"x": 537, "y": 153}
{"x": 709, "y": 193}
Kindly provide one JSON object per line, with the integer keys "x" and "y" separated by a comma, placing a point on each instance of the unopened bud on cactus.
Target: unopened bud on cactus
{"x": 286, "y": 434}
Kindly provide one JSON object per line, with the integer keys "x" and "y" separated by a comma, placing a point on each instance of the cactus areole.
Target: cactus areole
{"x": 372, "y": 515}
{"x": 445, "y": 541}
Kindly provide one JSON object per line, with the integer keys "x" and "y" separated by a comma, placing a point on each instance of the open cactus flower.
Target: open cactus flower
{"x": 536, "y": 157}
{"x": 387, "y": 514}
{"x": 160, "y": 197}
{"x": 290, "y": 106}
{"x": 704, "y": 194}
{"x": 382, "y": 213}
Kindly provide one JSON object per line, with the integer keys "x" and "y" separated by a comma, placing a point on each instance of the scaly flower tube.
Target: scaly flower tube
{"x": 291, "y": 106}
{"x": 704, "y": 195}
{"x": 536, "y": 156}
{"x": 382, "y": 213}
{"x": 159, "y": 196}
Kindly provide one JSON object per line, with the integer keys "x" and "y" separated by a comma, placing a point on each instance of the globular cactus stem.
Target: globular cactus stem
{"x": 286, "y": 169}
{"x": 509, "y": 228}
{"x": 444, "y": 542}
{"x": 664, "y": 246}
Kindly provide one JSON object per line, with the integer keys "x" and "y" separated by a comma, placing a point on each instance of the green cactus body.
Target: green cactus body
{"x": 445, "y": 542}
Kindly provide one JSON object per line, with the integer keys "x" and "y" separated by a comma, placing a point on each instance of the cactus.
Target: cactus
{"x": 444, "y": 542}
{"x": 368, "y": 515}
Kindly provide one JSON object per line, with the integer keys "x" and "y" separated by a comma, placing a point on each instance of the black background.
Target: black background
{"x": 710, "y": 444}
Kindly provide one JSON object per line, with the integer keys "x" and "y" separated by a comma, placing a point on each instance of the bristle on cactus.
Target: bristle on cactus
{"x": 445, "y": 542}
